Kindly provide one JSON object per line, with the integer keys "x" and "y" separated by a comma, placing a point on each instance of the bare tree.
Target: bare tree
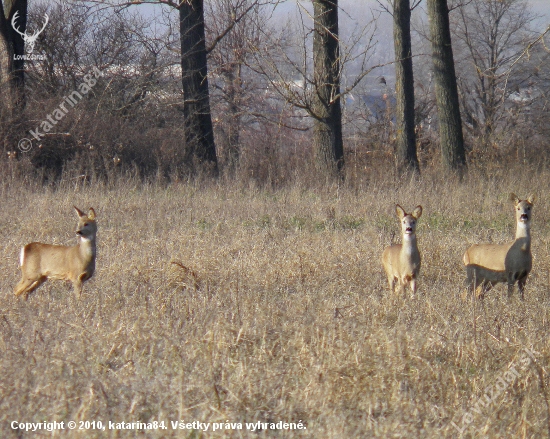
{"x": 404, "y": 86}
{"x": 306, "y": 63}
{"x": 326, "y": 106}
{"x": 199, "y": 133}
{"x": 236, "y": 91}
{"x": 446, "y": 91}
{"x": 127, "y": 119}
{"x": 527, "y": 107}
{"x": 490, "y": 35}
{"x": 197, "y": 119}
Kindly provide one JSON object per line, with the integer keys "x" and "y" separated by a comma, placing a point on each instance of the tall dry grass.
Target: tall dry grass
{"x": 278, "y": 311}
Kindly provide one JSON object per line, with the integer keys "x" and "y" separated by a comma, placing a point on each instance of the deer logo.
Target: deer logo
{"x": 29, "y": 40}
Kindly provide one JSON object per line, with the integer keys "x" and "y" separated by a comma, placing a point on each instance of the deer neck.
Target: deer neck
{"x": 523, "y": 237}
{"x": 409, "y": 244}
{"x": 87, "y": 247}
{"x": 523, "y": 230}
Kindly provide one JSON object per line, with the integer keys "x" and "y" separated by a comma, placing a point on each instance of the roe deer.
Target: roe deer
{"x": 402, "y": 261}
{"x": 489, "y": 264}
{"x": 40, "y": 262}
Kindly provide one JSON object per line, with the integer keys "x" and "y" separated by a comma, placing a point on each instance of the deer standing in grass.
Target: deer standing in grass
{"x": 40, "y": 262}
{"x": 402, "y": 261}
{"x": 489, "y": 264}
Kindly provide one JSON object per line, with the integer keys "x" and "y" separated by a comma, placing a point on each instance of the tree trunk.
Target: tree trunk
{"x": 446, "y": 92}
{"x": 232, "y": 95}
{"x": 327, "y": 111}
{"x": 199, "y": 134}
{"x": 404, "y": 86}
{"x": 12, "y": 48}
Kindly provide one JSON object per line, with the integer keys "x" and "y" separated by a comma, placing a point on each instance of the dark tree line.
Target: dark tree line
{"x": 320, "y": 95}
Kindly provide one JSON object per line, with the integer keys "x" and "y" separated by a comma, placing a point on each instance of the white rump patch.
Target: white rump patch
{"x": 22, "y": 256}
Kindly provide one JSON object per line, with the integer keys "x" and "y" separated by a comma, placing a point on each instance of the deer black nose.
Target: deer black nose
{"x": 524, "y": 217}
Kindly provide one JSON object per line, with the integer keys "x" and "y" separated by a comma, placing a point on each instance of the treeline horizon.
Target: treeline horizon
{"x": 264, "y": 108}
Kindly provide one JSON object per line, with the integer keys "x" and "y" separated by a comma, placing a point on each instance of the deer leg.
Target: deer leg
{"x": 521, "y": 286}
{"x": 481, "y": 288}
{"x": 77, "y": 284}
{"x": 27, "y": 286}
{"x": 470, "y": 283}
{"x": 413, "y": 287}
{"x": 511, "y": 281}
{"x": 391, "y": 282}
{"x": 77, "y": 287}
{"x": 22, "y": 286}
{"x": 401, "y": 283}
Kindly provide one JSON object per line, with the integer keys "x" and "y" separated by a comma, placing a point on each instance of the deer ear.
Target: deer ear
{"x": 79, "y": 212}
{"x": 514, "y": 198}
{"x": 532, "y": 198}
{"x": 417, "y": 212}
{"x": 91, "y": 214}
{"x": 400, "y": 212}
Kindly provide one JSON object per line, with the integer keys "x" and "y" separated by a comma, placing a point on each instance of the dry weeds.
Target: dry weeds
{"x": 276, "y": 309}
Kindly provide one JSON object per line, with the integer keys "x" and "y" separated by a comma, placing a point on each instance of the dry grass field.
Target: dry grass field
{"x": 276, "y": 310}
